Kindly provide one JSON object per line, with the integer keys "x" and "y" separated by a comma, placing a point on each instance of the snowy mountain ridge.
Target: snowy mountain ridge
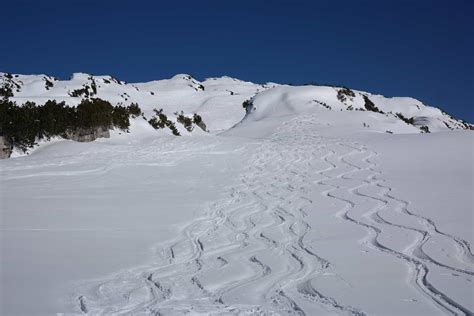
{"x": 219, "y": 102}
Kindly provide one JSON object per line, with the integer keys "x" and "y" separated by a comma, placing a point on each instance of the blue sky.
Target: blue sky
{"x": 418, "y": 48}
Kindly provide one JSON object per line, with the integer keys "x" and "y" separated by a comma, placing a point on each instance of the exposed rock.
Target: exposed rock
{"x": 5, "y": 148}
{"x": 87, "y": 134}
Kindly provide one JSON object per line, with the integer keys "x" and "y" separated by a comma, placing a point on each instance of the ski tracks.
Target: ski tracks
{"x": 249, "y": 253}
{"x": 377, "y": 226}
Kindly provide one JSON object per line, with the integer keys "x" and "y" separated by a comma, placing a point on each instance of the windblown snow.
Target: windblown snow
{"x": 309, "y": 201}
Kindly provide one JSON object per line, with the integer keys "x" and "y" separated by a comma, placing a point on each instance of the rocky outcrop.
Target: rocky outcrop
{"x": 87, "y": 134}
{"x": 5, "y": 148}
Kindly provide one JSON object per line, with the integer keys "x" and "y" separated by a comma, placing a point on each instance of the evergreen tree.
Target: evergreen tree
{"x": 120, "y": 117}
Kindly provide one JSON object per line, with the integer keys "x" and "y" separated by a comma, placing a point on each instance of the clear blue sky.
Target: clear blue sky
{"x": 413, "y": 48}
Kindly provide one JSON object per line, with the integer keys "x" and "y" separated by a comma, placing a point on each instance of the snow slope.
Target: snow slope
{"x": 218, "y": 100}
{"x": 299, "y": 208}
{"x": 180, "y": 93}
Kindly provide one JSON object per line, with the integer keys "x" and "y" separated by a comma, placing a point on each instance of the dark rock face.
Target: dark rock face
{"x": 87, "y": 134}
{"x": 5, "y": 148}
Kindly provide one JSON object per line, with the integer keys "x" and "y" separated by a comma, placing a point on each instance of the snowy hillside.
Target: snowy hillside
{"x": 213, "y": 97}
{"x": 398, "y": 115}
{"x": 219, "y": 101}
{"x": 307, "y": 200}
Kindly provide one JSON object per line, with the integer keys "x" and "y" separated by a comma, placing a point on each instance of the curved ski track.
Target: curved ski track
{"x": 248, "y": 253}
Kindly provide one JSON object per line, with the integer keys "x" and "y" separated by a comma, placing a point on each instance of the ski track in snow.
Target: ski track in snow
{"x": 248, "y": 253}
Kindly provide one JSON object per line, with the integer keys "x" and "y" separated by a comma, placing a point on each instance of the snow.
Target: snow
{"x": 79, "y": 227}
{"x": 290, "y": 208}
{"x": 218, "y": 100}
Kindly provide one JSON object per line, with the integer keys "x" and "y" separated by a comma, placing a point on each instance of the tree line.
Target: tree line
{"x": 23, "y": 125}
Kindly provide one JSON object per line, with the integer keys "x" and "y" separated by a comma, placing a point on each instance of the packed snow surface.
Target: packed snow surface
{"x": 290, "y": 207}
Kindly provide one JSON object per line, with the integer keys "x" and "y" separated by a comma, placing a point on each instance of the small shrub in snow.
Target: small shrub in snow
{"x": 154, "y": 122}
{"x": 80, "y": 92}
{"x": 173, "y": 128}
{"x": 370, "y": 106}
{"x": 404, "y": 119}
{"x": 6, "y": 91}
{"x": 162, "y": 117}
{"x": 160, "y": 120}
{"x": 323, "y": 104}
{"x": 425, "y": 129}
{"x": 93, "y": 86}
{"x": 48, "y": 84}
{"x": 134, "y": 110}
{"x": 345, "y": 93}
{"x": 247, "y": 103}
{"x": 186, "y": 121}
{"x": 125, "y": 96}
{"x": 197, "y": 119}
